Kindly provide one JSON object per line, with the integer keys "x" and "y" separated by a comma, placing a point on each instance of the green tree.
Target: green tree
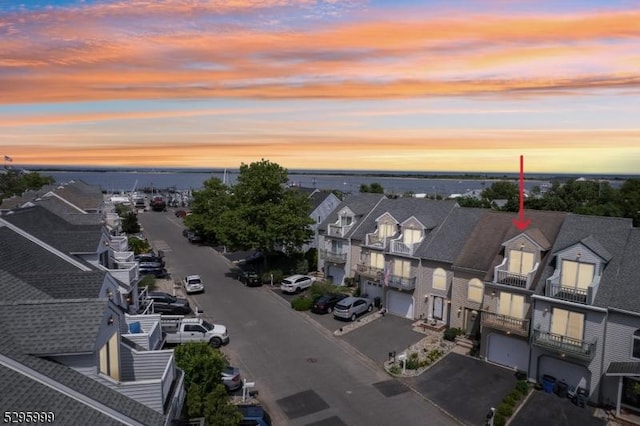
{"x": 501, "y": 190}
{"x": 262, "y": 213}
{"x": 130, "y": 223}
{"x": 208, "y": 207}
{"x": 15, "y": 182}
{"x": 629, "y": 199}
{"x": 138, "y": 246}
{"x": 218, "y": 409}
{"x": 201, "y": 364}
{"x": 195, "y": 400}
{"x": 374, "y": 188}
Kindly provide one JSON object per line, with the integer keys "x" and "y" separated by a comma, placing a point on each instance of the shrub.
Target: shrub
{"x": 434, "y": 354}
{"x": 301, "y": 303}
{"x": 499, "y": 420}
{"x": 516, "y": 395}
{"x": 148, "y": 281}
{"x": 504, "y": 410}
{"x": 394, "y": 369}
{"x": 523, "y": 387}
{"x": 451, "y": 333}
{"x": 319, "y": 288}
{"x": 277, "y": 277}
{"x": 510, "y": 400}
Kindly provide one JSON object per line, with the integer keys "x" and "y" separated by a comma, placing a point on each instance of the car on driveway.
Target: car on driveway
{"x": 193, "y": 284}
{"x": 352, "y": 307}
{"x": 231, "y": 378}
{"x": 248, "y": 276}
{"x": 324, "y": 304}
{"x": 296, "y": 283}
{"x": 165, "y": 303}
{"x": 150, "y": 263}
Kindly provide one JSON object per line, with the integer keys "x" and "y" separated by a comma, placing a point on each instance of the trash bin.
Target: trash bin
{"x": 548, "y": 383}
{"x": 376, "y": 302}
{"x": 562, "y": 389}
{"x": 581, "y": 397}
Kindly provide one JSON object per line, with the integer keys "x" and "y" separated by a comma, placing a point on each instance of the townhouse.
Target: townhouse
{"x": 69, "y": 346}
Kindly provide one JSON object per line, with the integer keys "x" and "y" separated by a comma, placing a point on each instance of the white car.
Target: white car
{"x": 193, "y": 284}
{"x": 296, "y": 283}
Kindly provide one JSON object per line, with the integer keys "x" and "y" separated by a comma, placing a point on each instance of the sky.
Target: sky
{"x": 442, "y": 85}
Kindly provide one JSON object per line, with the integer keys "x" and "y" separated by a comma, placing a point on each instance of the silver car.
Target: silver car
{"x": 231, "y": 378}
{"x": 352, "y": 307}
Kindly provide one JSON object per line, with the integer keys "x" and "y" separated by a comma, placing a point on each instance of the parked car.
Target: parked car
{"x": 178, "y": 329}
{"x": 352, "y": 307}
{"x": 325, "y": 303}
{"x": 149, "y": 263}
{"x": 194, "y": 237}
{"x": 165, "y": 303}
{"x": 248, "y": 276}
{"x": 181, "y": 213}
{"x": 296, "y": 283}
{"x": 231, "y": 378}
{"x": 254, "y": 415}
{"x": 193, "y": 284}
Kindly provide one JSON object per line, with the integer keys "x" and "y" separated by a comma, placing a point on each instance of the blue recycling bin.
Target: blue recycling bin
{"x": 548, "y": 383}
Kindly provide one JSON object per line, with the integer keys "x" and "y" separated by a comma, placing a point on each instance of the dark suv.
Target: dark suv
{"x": 325, "y": 303}
{"x": 149, "y": 263}
{"x": 248, "y": 276}
{"x": 164, "y": 303}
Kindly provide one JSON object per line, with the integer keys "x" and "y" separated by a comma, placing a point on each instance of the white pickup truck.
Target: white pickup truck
{"x": 179, "y": 329}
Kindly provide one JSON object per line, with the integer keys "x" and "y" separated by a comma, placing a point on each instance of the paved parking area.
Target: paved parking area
{"x": 377, "y": 338}
{"x": 548, "y": 409}
{"x": 465, "y": 387}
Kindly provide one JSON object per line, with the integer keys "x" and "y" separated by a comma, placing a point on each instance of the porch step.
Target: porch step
{"x": 464, "y": 342}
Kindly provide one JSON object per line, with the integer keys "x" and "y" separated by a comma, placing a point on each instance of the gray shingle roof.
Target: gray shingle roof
{"x": 445, "y": 243}
{"x": 13, "y": 289}
{"x": 359, "y": 204}
{"x": 81, "y": 194}
{"x": 482, "y": 251}
{"x": 20, "y": 254}
{"x": 318, "y": 198}
{"x": 69, "y": 213}
{"x": 620, "y": 290}
{"x": 56, "y": 231}
{"x": 430, "y": 213}
{"x": 28, "y": 394}
{"x": 66, "y": 285}
{"x": 50, "y": 327}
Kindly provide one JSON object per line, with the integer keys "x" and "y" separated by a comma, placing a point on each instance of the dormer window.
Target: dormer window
{"x": 577, "y": 275}
{"x": 346, "y": 220}
{"x": 411, "y": 236}
{"x": 520, "y": 262}
{"x": 386, "y": 230}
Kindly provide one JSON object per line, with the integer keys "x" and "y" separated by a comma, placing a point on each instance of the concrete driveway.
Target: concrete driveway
{"x": 465, "y": 387}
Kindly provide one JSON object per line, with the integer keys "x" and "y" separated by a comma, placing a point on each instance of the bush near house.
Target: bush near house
{"x": 148, "y": 281}
{"x": 451, "y": 333}
{"x": 510, "y": 402}
{"x": 277, "y": 277}
{"x": 318, "y": 288}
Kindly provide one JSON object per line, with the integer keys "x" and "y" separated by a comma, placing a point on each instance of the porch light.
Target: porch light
{"x": 493, "y": 294}
{"x": 459, "y": 311}
{"x": 109, "y": 293}
{"x": 111, "y": 320}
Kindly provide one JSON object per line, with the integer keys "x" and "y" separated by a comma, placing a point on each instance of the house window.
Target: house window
{"x": 402, "y": 268}
{"x": 336, "y": 246}
{"x": 386, "y": 230}
{"x": 567, "y": 323}
{"x": 109, "y": 358}
{"x": 520, "y": 262}
{"x": 346, "y": 220}
{"x": 576, "y": 275}
{"x": 411, "y": 236}
{"x": 439, "y": 279}
{"x": 511, "y": 305}
{"x": 475, "y": 290}
{"x": 376, "y": 260}
{"x": 636, "y": 345}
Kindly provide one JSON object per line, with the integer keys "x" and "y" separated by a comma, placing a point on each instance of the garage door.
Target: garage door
{"x": 572, "y": 374}
{"x": 373, "y": 289}
{"x": 400, "y": 304}
{"x": 508, "y": 351}
{"x": 336, "y": 274}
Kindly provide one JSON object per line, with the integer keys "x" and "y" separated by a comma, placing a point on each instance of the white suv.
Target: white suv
{"x": 193, "y": 284}
{"x": 296, "y": 283}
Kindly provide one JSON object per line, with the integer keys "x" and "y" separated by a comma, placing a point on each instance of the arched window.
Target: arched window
{"x": 439, "y": 279}
{"x": 636, "y": 344}
{"x": 475, "y": 290}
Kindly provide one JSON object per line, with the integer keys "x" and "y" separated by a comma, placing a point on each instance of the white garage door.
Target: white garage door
{"x": 373, "y": 289}
{"x": 400, "y": 304}
{"x": 572, "y": 374}
{"x": 336, "y": 274}
{"x": 508, "y": 351}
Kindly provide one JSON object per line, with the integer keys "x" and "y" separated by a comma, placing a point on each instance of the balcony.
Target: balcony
{"x": 575, "y": 348}
{"x": 149, "y": 335}
{"x": 400, "y": 247}
{"x": 123, "y": 256}
{"x": 503, "y": 276}
{"x": 112, "y": 220}
{"x": 369, "y": 271}
{"x": 375, "y": 241}
{"x": 149, "y": 377}
{"x": 506, "y": 323}
{"x": 125, "y": 272}
{"x": 119, "y": 243}
{"x": 401, "y": 283}
{"x": 340, "y": 231}
{"x": 583, "y": 296}
{"x": 334, "y": 256}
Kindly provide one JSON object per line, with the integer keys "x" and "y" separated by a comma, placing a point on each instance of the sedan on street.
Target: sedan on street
{"x": 325, "y": 303}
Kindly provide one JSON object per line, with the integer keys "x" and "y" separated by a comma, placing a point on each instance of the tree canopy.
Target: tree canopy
{"x": 15, "y": 182}
{"x": 259, "y": 212}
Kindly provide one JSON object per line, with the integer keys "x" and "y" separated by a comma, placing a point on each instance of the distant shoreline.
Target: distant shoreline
{"x": 374, "y": 174}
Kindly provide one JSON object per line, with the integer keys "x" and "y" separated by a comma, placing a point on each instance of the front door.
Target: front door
{"x": 472, "y": 324}
{"x": 438, "y": 303}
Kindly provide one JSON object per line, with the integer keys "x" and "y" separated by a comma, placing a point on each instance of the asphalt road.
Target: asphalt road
{"x": 304, "y": 375}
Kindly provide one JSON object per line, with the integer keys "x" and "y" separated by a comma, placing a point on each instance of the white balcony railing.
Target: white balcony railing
{"x": 369, "y": 271}
{"x": 338, "y": 256}
{"x": 374, "y": 240}
{"x": 334, "y": 230}
{"x": 123, "y": 256}
{"x": 149, "y": 335}
{"x": 125, "y": 272}
{"x": 502, "y": 275}
{"x": 400, "y": 247}
{"x": 584, "y": 296}
{"x": 119, "y": 243}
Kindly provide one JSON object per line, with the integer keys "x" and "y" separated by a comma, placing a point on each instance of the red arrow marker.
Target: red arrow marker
{"x": 521, "y": 223}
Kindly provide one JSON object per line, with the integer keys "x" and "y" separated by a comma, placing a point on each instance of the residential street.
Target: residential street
{"x": 303, "y": 373}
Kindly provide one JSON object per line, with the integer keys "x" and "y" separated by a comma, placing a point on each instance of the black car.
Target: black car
{"x": 165, "y": 303}
{"x": 325, "y": 303}
{"x": 248, "y": 276}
